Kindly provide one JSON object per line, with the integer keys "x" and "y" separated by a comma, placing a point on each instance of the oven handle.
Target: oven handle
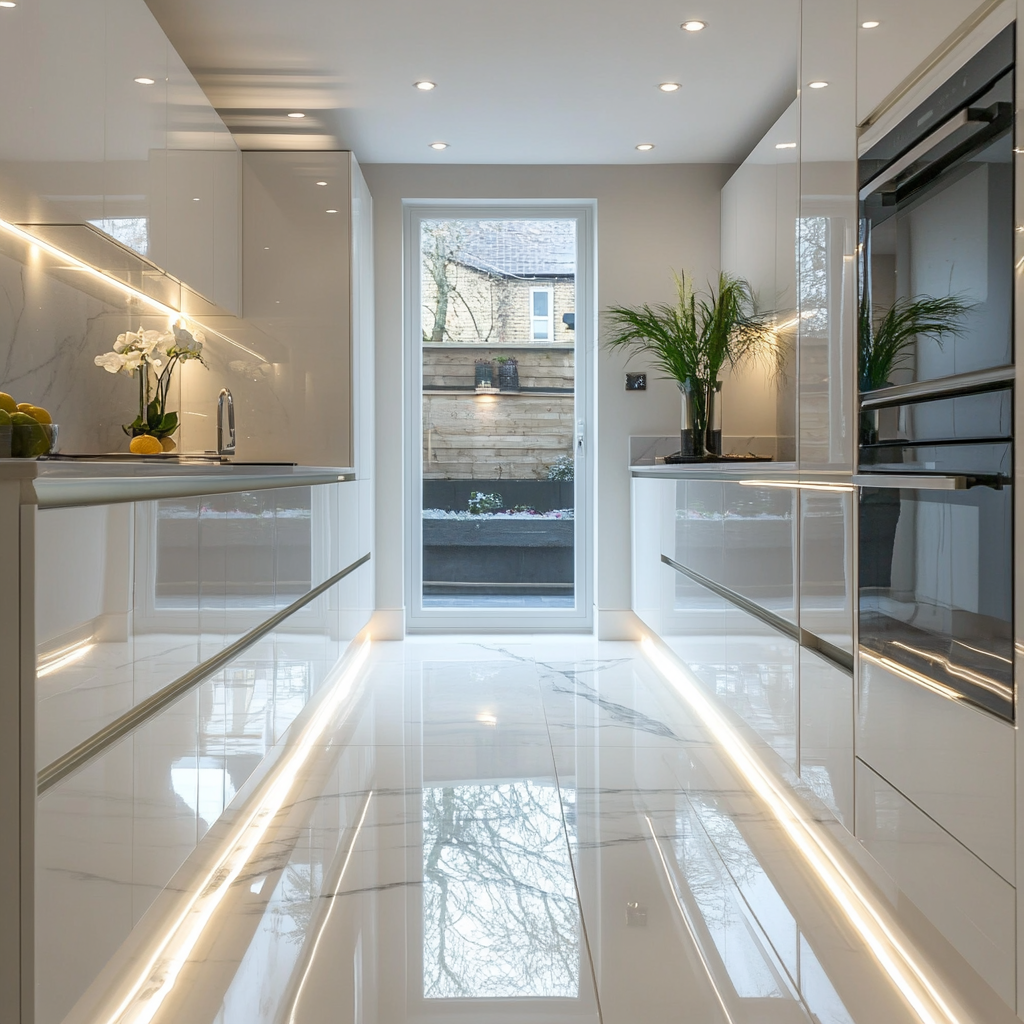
{"x": 907, "y": 481}
{"x": 970, "y": 115}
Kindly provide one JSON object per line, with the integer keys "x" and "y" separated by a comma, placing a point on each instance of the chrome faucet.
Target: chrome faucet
{"x": 222, "y": 448}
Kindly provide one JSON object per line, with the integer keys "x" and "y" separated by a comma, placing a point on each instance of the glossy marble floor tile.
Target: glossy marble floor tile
{"x": 512, "y": 829}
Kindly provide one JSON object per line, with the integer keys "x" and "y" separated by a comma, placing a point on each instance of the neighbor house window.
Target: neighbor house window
{"x": 541, "y": 314}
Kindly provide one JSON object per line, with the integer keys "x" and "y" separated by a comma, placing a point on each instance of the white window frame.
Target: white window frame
{"x": 549, "y": 289}
{"x": 505, "y": 620}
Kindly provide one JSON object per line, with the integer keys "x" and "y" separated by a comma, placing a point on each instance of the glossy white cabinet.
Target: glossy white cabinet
{"x": 827, "y": 527}
{"x": 826, "y": 733}
{"x": 969, "y": 903}
{"x": 955, "y": 763}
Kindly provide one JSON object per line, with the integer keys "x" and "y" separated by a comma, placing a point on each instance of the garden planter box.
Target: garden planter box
{"x": 510, "y": 554}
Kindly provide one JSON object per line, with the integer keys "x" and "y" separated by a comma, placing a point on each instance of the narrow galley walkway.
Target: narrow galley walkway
{"x": 542, "y": 829}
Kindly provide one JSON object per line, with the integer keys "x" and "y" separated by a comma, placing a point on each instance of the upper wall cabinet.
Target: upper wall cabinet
{"x": 760, "y": 207}
{"x": 827, "y": 237}
{"x": 111, "y": 131}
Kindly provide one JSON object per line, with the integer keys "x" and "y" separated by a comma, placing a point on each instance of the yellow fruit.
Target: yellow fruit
{"x": 167, "y": 443}
{"x": 39, "y": 414}
{"x": 7, "y": 403}
{"x": 145, "y": 444}
{"x": 25, "y": 406}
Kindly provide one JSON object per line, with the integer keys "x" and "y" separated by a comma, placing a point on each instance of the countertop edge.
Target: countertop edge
{"x": 99, "y": 486}
{"x": 777, "y": 473}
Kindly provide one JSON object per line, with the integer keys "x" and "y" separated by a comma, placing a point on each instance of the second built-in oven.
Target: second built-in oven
{"x": 936, "y": 367}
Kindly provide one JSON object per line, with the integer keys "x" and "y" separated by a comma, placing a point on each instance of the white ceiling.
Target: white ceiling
{"x": 518, "y": 81}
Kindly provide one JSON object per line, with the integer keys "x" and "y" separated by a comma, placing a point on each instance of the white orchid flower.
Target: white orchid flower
{"x": 132, "y": 361}
{"x": 148, "y": 341}
{"x": 112, "y": 362}
{"x": 122, "y": 343}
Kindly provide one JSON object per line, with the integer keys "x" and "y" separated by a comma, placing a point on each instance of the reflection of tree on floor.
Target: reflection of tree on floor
{"x": 500, "y": 917}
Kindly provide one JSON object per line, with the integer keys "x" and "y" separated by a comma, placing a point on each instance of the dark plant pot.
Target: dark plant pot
{"x": 508, "y": 376}
{"x": 484, "y": 374}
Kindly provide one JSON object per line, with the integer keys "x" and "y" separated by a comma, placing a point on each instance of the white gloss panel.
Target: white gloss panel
{"x": 969, "y": 903}
{"x": 827, "y": 525}
{"x": 955, "y": 763}
{"x": 826, "y": 733}
{"x": 653, "y": 511}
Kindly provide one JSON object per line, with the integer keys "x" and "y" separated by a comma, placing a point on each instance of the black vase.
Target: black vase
{"x": 508, "y": 375}
{"x": 484, "y": 374}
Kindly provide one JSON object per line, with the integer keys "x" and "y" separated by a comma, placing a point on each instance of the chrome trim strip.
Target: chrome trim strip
{"x": 836, "y": 656}
{"x": 777, "y": 622}
{"x": 88, "y": 750}
{"x": 947, "y": 387}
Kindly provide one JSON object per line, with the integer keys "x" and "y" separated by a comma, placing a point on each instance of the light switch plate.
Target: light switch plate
{"x": 636, "y": 381}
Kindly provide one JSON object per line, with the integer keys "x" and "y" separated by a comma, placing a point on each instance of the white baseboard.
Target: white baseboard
{"x": 387, "y": 624}
{"x": 619, "y": 624}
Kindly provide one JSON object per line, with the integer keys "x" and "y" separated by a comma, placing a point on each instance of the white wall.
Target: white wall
{"x": 650, "y": 220}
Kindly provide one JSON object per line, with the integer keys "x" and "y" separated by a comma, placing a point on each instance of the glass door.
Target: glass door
{"x": 497, "y": 446}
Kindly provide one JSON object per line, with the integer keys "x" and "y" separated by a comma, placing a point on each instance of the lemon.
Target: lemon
{"x": 39, "y": 414}
{"x": 25, "y": 407}
{"x": 167, "y": 443}
{"x": 7, "y": 403}
{"x": 145, "y": 444}
{"x": 29, "y": 440}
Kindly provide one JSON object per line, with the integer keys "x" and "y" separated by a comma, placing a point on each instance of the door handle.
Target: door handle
{"x": 580, "y": 437}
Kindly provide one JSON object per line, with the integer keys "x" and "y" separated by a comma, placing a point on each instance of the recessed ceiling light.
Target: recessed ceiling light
{"x": 439, "y": 145}
{"x": 7, "y": 3}
{"x": 140, "y": 81}
{"x": 425, "y": 86}
{"x": 669, "y": 86}
{"x": 694, "y": 26}
{"x": 645, "y": 147}
{"x": 266, "y": 248}
{"x": 321, "y": 182}
{"x": 870, "y": 24}
{"x": 297, "y": 114}
{"x": 332, "y": 211}
{"x": 819, "y": 85}
{"x": 785, "y": 145}
{"x": 195, "y": 199}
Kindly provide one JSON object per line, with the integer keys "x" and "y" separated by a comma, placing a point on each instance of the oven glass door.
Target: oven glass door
{"x": 936, "y": 589}
{"x": 940, "y": 226}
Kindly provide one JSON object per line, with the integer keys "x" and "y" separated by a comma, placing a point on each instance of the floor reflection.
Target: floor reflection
{"x": 500, "y": 918}
{"x": 525, "y": 830}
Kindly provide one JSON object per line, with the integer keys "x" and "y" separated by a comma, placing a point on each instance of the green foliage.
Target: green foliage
{"x": 885, "y": 346}
{"x": 480, "y": 503}
{"x": 692, "y": 340}
{"x": 563, "y": 468}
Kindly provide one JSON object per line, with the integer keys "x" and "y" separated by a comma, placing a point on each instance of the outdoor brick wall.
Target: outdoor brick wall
{"x": 494, "y": 309}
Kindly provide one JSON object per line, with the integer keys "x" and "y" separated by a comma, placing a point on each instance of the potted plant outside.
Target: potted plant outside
{"x": 508, "y": 373}
{"x": 692, "y": 341}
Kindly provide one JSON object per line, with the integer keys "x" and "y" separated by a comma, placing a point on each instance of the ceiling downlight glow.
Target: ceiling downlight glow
{"x": 321, "y": 182}
{"x": 870, "y": 24}
{"x": 818, "y": 85}
{"x": 785, "y": 145}
{"x": 694, "y": 26}
{"x": 670, "y": 87}
{"x": 296, "y": 114}
{"x": 645, "y": 147}
{"x": 425, "y": 86}
{"x": 866, "y": 915}
{"x": 139, "y": 81}
{"x": 439, "y": 146}
{"x": 7, "y": 3}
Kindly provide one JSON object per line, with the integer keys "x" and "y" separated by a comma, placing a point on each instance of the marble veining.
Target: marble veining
{"x": 525, "y": 828}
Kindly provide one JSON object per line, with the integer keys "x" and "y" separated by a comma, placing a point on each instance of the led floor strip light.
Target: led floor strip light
{"x": 155, "y": 980}
{"x": 890, "y": 950}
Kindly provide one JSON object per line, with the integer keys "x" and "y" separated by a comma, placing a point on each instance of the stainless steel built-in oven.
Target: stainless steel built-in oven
{"x": 936, "y": 389}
